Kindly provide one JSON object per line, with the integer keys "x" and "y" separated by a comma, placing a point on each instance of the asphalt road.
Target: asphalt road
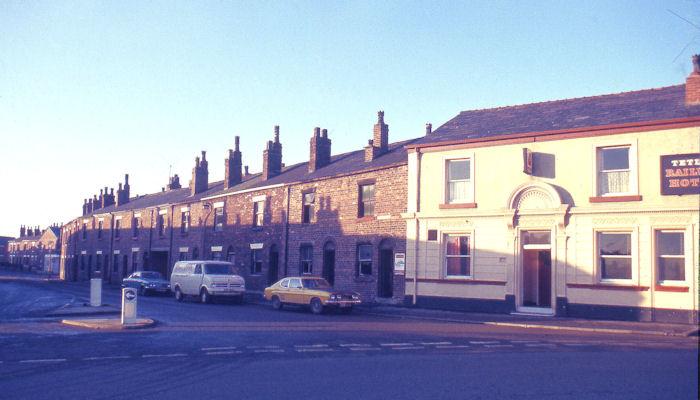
{"x": 251, "y": 351}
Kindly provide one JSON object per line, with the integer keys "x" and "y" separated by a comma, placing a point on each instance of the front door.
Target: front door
{"x": 329, "y": 263}
{"x": 386, "y": 273}
{"x": 536, "y": 270}
{"x": 272, "y": 271}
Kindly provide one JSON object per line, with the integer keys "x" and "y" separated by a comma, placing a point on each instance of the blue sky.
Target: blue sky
{"x": 92, "y": 90}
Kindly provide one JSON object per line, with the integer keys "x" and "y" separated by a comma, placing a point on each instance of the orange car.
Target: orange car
{"x": 314, "y": 292}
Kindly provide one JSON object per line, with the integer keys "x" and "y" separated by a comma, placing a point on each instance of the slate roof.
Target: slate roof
{"x": 621, "y": 108}
{"x": 341, "y": 164}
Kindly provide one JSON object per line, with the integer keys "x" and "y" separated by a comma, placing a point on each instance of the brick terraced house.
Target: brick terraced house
{"x": 337, "y": 216}
{"x": 36, "y": 249}
{"x": 584, "y": 207}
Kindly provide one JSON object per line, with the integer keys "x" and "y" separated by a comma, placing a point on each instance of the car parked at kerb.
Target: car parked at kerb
{"x": 316, "y": 293}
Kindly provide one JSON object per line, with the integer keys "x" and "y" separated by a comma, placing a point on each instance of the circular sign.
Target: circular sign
{"x": 130, "y": 294}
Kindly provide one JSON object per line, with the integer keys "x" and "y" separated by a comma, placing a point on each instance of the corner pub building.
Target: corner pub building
{"x": 336, "y": 216}
{"x": 583, "y": 207}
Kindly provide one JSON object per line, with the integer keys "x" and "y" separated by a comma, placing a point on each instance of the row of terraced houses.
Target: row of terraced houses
{"x": 583, "y": 207}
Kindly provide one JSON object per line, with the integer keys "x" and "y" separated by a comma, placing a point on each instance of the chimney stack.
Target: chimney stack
{"x": 37, "y": 231}
{"x": 692, "y": 84}
{"x": 428, "y": 129}
{"x": 320, "y": 154}
{"x": 246, "y": 170}
{"x": 233, "y": 165}
{"x": 85, "y": 206}
{"x": 123, "y": 194}
{"x": 380, "y": 142}
{"x": 22, "y": 231}
{"x": 174, "y": 182}
{"x": 200, "y": 175}
{"x": 272, "y": 157}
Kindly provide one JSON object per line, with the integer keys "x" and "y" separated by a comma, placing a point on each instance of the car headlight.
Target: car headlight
{"x": 355, "y": 296}
{"x": 334, "y": 297}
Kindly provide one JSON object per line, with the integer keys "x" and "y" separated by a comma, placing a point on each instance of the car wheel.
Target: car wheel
{"x": 316, "y": 306}
{"x": 276, "y": 303}
{"x": 204, "y": 296}
{"x": 178, "y": 294}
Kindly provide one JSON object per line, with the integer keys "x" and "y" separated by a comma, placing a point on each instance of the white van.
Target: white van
{"x": 206, "y": 279}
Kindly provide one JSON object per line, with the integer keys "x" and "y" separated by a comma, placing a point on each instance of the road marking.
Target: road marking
{"x": 310, "y": 346}
{"x": 524, "y": 341}
{"x": 494, "y": 346}
{"x": 164, "y": 355}
{"x": 262, "y": 347}
{"x": 218, "y": 348}
{"x": 407, "y": 348}
{"x": 453, "y": 346}
{"x": 575, "y": 344}
{"x": 47, "y": 360}
{"x": 435, "y": 343}
{"x": 268, "y": 351}
{"x": 221, "y": 353}
{"x": 365, "y": 348}
{"x": 395, "y": 344}
{"x": 541, "y": 345}
{"x": 106, "y": 358}
{"x": 355, "y": 345}
{"x": 318, "y": 349}
{"x": 484, "y": 342}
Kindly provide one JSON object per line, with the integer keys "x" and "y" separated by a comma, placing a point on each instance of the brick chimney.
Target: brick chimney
{"x": 123, "y": 193}
{"x": 37, "y": 231}
{"x": 692, "y": 84}
{"x": 85, "y": 206}
{"x": 174, "y": 182}
{"x": 320, "y": 154}
{"x": 428, "y": 129}
{"x": 380, "y": 141}
{"x": 272, "y": 157}
{"x": 22, "y": 231}
{"x": 200, "y": 175}
{"x": 95, "y": 203}
{"x": 233, "y": 165}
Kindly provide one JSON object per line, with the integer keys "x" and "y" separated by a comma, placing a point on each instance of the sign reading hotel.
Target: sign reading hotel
{"x": 680, "y": 174}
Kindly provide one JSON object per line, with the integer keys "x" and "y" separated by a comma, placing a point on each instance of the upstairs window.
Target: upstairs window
{"x": 135, "y": 225}
{"x": 306, "y": 259}
{"x": 184, "y": 221}
{"x": 615, "y": 255}
{"x": 160, "y": 225}
{"x": 100, "y": 224}
{"x": 258, "y": 213}
{"x": 459, "y": 182}
{"x": 670, "y": 256}
{"x": 366, "y": 201}
{"x": 364, "y": 259}
{"x": 308, "y": 207}
{"x": 84, "y": 231}
{"x": 219, "y": 219}
{"x": 615, "y": 176}
{"x": 117, "y": 228}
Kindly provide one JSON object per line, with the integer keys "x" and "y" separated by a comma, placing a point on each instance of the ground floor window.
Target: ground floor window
{"x": 670, "y": 258}
{"x": 216, "y": 255}
{"x": 183, "y": 256}
{"x": 364, "y": 259}
{"x": 457, "y": 255}
{"x": 256, "y": 261}
{"x": 615, "y": 255}
{"x": 306, "y": 259}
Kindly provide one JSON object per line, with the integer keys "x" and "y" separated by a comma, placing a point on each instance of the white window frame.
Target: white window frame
{"x": 633, "y": 189}
{"x": 686, "y": 245}
{"x": 306, "y": 262}
{"x": 445, "y": 176}
{"x": 634, "y": 263}
{"x": 444, "y": 236}
{"x": 219, "y": 224}
{"x": 261, "y": 210}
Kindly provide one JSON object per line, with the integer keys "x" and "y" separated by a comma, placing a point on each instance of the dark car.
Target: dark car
{"x": 147, "y": 282}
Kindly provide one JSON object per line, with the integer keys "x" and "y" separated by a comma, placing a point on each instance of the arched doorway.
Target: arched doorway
{"x": 273, "y": 266}
{"x": 329, "y": 262}
{"x": 385, "y": 281}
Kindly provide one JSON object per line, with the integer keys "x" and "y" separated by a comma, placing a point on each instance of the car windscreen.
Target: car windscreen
{"x": 316, "y": 284}
{"x": 151, "y": 275}
{"x": 218, "y": 269}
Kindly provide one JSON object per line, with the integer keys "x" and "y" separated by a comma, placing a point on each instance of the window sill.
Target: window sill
{"x": 608, "y": 286}
{"x": 665, "y": 288}
{"x": 466, "y": 281}
{"x": 457, "y": 206}
{"x": 614, "y": 199}
{"x": 366, "y": 219}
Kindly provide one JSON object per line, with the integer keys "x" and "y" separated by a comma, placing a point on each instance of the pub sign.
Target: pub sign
{"x": 680, "y": 174}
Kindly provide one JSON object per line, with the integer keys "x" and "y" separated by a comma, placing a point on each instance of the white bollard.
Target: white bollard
{"x": 95, "y": 292}
{"x": 129, "y": 299}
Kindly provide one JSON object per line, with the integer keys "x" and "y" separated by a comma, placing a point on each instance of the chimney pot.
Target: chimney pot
{"x": 428, "y": 128}
{"x": 246, "y": 171}
{"x": 692, "y": 84}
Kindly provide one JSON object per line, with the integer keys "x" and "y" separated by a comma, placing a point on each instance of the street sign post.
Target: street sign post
{"x": 129, "y": 300}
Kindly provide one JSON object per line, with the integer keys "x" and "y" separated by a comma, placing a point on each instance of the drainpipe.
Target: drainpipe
{"x": 111, "y": 246}
{"x": 207, "y": 206}
{"x": 286, "y": 234}
{"x": 417, "y": 227}
{"x": 150, "y": 243}
{"x": 170, "y": 249}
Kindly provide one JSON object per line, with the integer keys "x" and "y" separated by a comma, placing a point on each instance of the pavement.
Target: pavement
{"x": 79, "y": 313}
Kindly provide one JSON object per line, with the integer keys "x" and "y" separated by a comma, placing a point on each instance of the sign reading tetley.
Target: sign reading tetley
{"x": 680, "y": 174}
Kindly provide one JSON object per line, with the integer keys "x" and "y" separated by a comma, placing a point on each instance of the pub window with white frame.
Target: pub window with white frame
{"x": 459, "y": 188}
{"x": 615, "y": 172}
{"x": 614, "y": 255}
{"x": 670, "y": 256}
{"x": 458, "y": 255}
